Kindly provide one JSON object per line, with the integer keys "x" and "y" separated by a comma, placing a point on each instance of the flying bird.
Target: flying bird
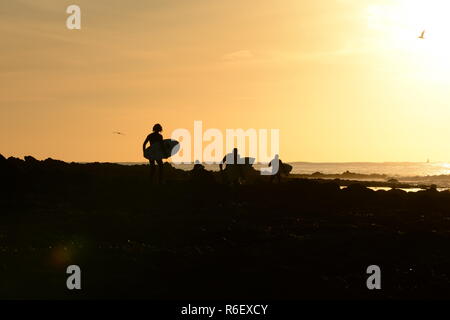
{"x": 119, "y": 133}
{"x": 422, "y": 36}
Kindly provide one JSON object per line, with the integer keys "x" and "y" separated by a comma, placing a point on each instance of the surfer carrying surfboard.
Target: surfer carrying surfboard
{"x": 278, "y": 167}
{"x": 234, "y": 168}
{"x": 155, "y": 138}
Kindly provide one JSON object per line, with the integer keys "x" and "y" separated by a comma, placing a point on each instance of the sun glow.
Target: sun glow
{"x": 402, "y": 22}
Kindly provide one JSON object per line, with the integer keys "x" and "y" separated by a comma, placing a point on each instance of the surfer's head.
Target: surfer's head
{"x": 157, "y": 128}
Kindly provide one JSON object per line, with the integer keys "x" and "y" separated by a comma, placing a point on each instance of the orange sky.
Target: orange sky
{"x": 343, "y": 80}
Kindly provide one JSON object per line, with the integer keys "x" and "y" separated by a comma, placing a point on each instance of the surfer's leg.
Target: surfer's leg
{"x": 160, "y": 170}
{"x": 152, "y": 170}
{"x": 241, "y": 173}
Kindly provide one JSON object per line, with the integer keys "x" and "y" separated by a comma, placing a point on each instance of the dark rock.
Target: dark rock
{"x": 30, "y": 159}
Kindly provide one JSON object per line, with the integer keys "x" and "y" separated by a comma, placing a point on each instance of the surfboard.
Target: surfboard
{"x": 157, "y": 152}
{"x": 249, "y": 160}
{"x": 241, "y": 161}
{"x": 287, "y": 168}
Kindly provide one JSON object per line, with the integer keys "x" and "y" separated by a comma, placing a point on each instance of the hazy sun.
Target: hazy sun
{"x": 403, "y": 21}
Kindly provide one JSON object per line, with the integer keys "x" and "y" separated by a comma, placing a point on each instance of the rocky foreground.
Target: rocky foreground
{"x": 196, "y": 237}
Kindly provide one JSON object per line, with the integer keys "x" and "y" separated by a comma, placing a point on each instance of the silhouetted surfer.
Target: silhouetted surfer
{"x": 277, "y": 166}
{"x": 233, "y": 166}
{"x": 152, "y": 138}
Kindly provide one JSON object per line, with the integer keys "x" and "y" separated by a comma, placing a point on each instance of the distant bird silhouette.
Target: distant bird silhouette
{"x": 119, "y": 133}
{"x": 422, "y": 36}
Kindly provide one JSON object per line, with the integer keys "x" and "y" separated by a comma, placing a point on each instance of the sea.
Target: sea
{"x": 418, "y": 175}
{"x": 392, "y": 169}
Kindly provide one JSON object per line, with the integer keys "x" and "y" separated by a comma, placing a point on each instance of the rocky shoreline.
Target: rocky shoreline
{"x": 197, "y": 238}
